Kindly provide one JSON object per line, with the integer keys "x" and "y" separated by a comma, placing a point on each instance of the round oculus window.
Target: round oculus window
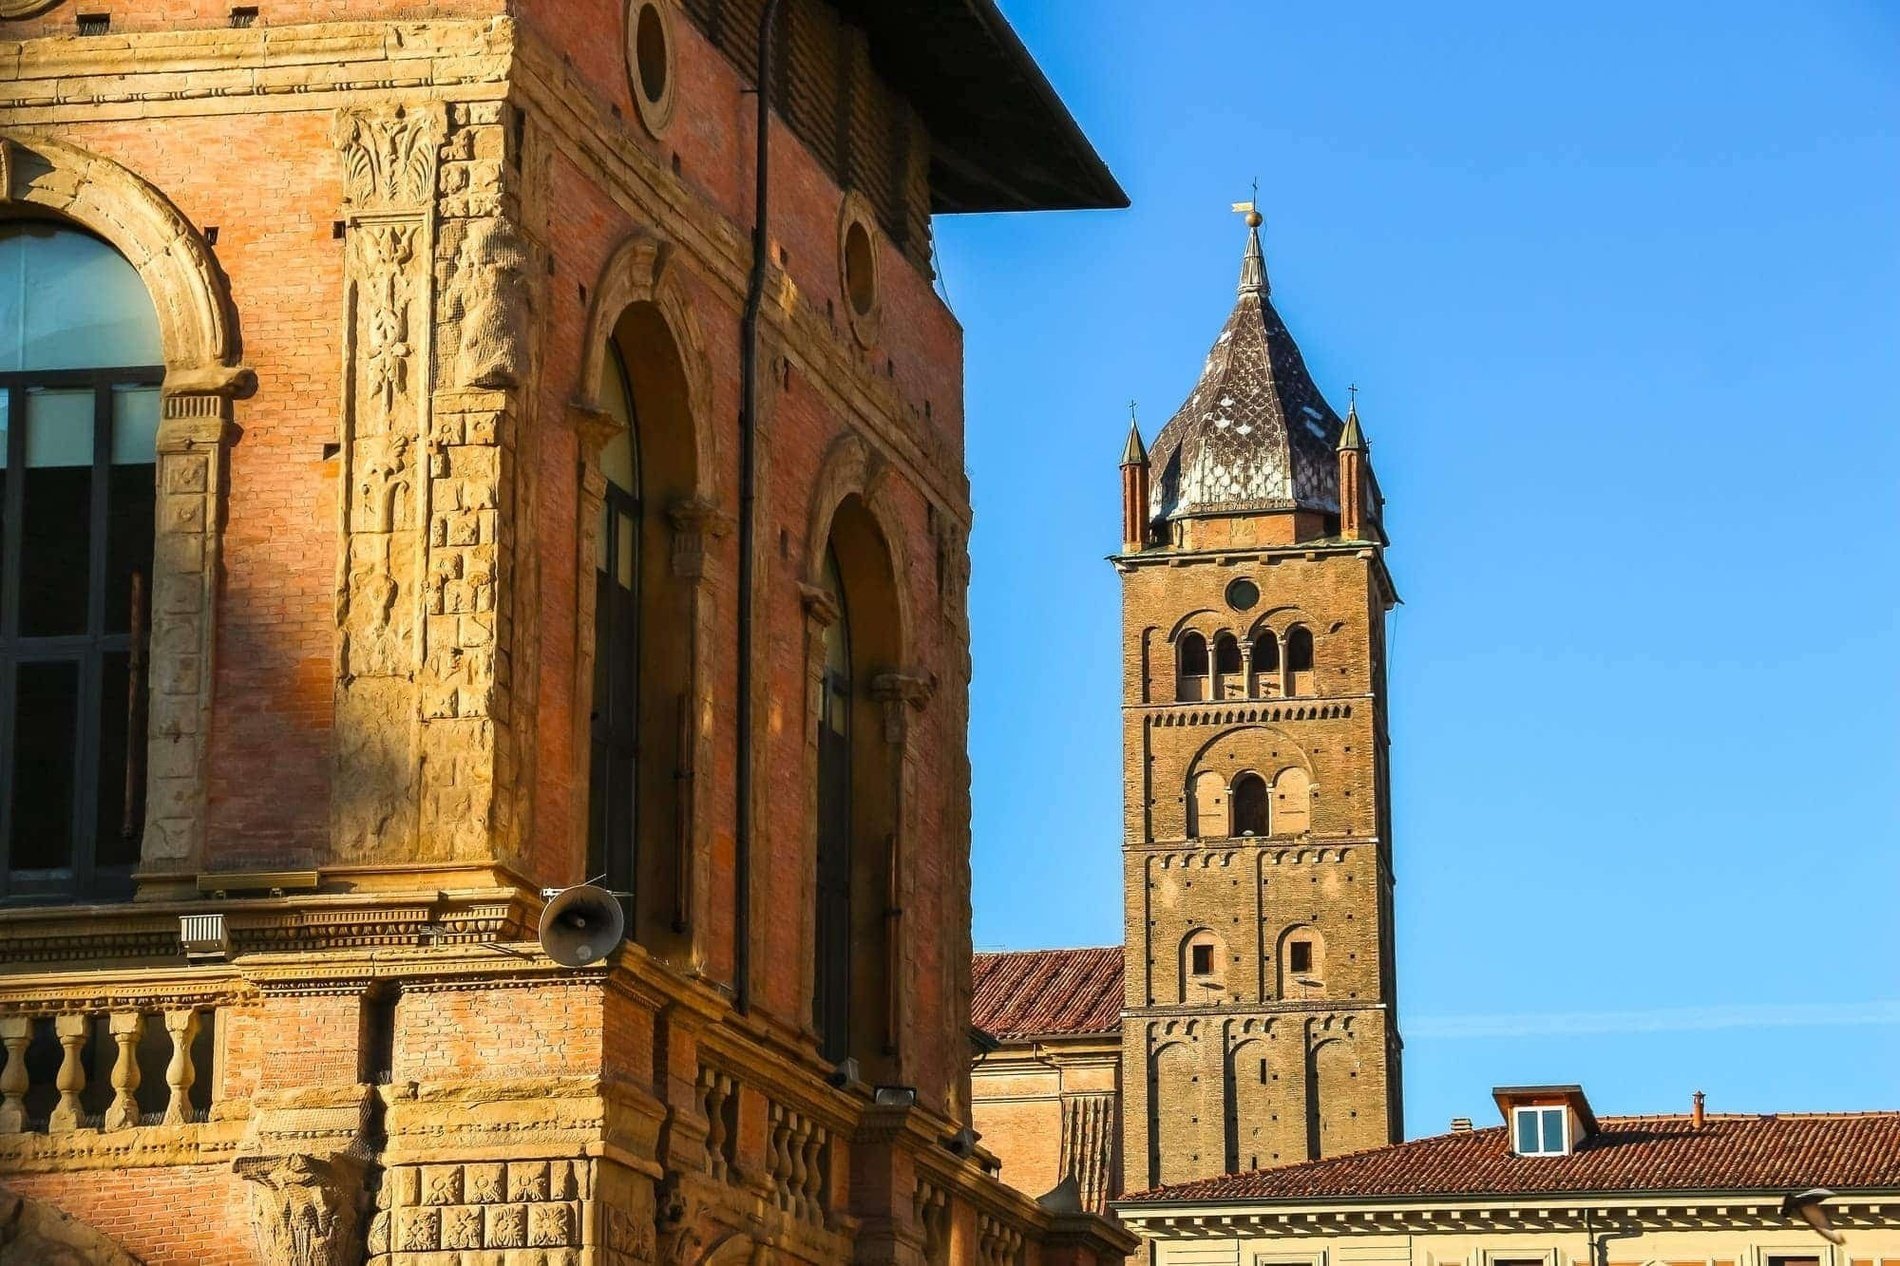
{"x": 650, "y": 62}
{"x": 857, "y": 267}
{"x": 1242, "y": 594}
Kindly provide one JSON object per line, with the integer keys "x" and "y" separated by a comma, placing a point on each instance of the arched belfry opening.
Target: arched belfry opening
{"x": 80, "y": 373}
{"x": 854, "y": 1004}
{"x": 640, "y": 718}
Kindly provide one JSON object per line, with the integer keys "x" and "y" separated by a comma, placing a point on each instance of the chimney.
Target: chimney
{"x": 1696, "y": 1116}
{"x": 1134, "y": 489}
{"x": 1461, "y": 1125}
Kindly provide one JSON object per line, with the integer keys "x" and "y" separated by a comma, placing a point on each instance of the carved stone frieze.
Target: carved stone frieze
{"x": 488, "y": 1207}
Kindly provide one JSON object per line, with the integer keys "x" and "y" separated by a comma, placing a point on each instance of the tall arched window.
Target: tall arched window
{"x": 1292, "y": 802}
{"x": 1299, "y": 660}
{"x": 1207, "y": 806}
{"x": 1250, "y": 805}
{"x": 1264, "y": 667}
{"x": 832, "y": 1000}
{"x": 1191, "y": 667}
{"x": 857, "y": 985}
{"x": 1226, "y": 665}
{"x": 80, "y": 368}
{"x": 613, "y": 789}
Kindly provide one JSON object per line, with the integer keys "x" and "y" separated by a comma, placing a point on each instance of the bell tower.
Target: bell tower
{"x": 1260, "y": 1026}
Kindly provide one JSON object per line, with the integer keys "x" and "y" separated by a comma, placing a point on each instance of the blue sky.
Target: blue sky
{"x": 1621, "y": 288}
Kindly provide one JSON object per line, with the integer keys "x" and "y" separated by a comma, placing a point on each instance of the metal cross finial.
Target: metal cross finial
{"x": 1352, "y": 393}
{"x": 1251, "y": 207}
{"x": 1131, "y": 410}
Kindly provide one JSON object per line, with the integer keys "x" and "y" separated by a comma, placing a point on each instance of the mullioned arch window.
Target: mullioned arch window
{"x": 80, "y": 370}
{"x": 1299, "y": 660}
{"x": 613, "y": 785}
{"x": 1190, "y": 670}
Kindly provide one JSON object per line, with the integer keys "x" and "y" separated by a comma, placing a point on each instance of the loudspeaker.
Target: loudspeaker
{"x": 581, "y": 925}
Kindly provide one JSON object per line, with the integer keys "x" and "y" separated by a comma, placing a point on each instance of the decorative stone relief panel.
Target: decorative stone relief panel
{"x": 529, "y": 1211}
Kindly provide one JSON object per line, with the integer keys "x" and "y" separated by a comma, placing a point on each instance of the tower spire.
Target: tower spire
{"x": 1253, "y": 265}
{"x": 1134, "y": 452}
{"x": 1134, "y": 487}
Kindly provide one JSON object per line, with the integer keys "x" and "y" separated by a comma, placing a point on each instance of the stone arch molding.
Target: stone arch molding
{"x": 642, "y": 269}
{"x": 195, "y": 315}
{"x": 198, "y": 330}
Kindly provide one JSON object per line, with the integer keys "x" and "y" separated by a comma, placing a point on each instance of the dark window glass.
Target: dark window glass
{"x": 1193, "y": 655}
{"x": 612, "y": 788}
{"x": 1299, "y": 649}
{"x": 45, "y": 757}
{"x": 1250, "y": 805}
{"x": 1266, "y": 653}
{"x": 1300, "y": 956}
{"x": 1203, "y": 959}
{"x": 1226, "y": 654}
{"x": 831, "y": 1004}
{"x": 79, "y": 412}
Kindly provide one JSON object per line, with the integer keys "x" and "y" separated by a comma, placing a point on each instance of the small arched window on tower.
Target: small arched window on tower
{"x": 1302, "y": 963}
{"x": 1299, "y": 660}
{"x": 1226, "y": 666}
{"x": 1203, "y": 966}
{"x": 1292, "y": 802}
{"x": 1264, "y": 665}
{"x": 1207, "y": 807}
{"x": 1250, "y": 805}
{"x": 1190, "y": 668}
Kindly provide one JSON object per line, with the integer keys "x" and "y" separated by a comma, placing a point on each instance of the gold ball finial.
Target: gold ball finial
{"x": 1253, "y": 219}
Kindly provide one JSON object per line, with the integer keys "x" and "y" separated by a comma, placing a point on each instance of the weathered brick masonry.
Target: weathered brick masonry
{"x": 422, "y": 278}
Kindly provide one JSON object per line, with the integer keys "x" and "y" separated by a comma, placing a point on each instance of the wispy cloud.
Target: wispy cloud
{"x": 1763, "y": 1015}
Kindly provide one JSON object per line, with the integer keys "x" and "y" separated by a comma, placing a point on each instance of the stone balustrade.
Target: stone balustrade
{"x": 798, "y": 1164}
{"x": 103, "y": 1069}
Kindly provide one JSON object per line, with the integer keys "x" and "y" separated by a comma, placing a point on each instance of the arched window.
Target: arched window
{"x": 80, "y": 368}
{"x": 1250, "y": 805}
{"x": 1264, "y": 668}
{"x": 1299, "y": 660}
{"x": 613, "y": 788}
{"x": 1207, "y": 807}
{"x": 1191, "y": 667}
{"x": 1226, "y": 665}
{"x": 641, "y": 730}
{"x": 856, "y": 970}
{"x": 1292, "y": 802}
{"x": 1302, "y": 966}
{"x": 1203, "y": 966}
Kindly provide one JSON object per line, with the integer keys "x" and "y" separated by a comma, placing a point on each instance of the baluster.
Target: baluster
{"x": 179, "y": 1074}
{"x": 15, "y": 1032}
{"x": 820, "y": 1137}
{"x": 127, "y": 1027}
{"x": 712, "y": 1101}
{"x": 781, "y": 1159}
{"x": 729, "y": 1102}
{"x": 801, "y": 1198}
{"x": 71, "y": 1031}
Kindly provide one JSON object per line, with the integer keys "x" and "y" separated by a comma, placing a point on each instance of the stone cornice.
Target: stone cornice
{"x": 157, "y": 74}
{"x": 1524, "y": 1212}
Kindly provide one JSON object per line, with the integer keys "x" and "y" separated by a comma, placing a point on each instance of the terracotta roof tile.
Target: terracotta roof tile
{"x": 1771, "y": 1154}
{"x": 1046, "y": 993}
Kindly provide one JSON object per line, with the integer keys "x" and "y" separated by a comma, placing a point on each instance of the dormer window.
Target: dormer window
{"x": 1541, "y": 1131}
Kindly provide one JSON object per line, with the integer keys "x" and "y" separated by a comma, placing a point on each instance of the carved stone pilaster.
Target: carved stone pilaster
{"x": 389, "y": 163}
{"x": 195, "y": 434}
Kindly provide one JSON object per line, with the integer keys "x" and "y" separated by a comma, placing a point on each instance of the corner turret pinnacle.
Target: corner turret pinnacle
{"x": 1134, "y": 453}
{"x": 1253, "y": 265}
{"x": 1352, "y": 439}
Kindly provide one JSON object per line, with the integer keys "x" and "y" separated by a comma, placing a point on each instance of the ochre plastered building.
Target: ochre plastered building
{"x": 1693, "y": 1189}
{"x": 466, "y": 508}
{"x": 1258, "y": 989}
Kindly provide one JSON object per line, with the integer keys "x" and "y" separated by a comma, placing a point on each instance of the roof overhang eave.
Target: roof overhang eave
{"x": 1257, "y": 1206}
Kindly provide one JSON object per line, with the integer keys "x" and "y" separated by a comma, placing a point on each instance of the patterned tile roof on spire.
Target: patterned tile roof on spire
{"x": 1047, "y": 993}
{"x": 1255, "y": 434}
{"x": 1772, "y": 1154}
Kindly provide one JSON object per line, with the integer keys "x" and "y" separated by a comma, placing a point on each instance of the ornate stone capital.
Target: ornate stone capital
{"x": 304, "y": 1208}
{"x": 821, "y": 605}
{"x": 895, "y": 690}
{"x": 694, "y": 520}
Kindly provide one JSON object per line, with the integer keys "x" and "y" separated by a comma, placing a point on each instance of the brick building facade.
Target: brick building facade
{"x": 467, "y": 509}
{"x": 1256, "y": 978}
